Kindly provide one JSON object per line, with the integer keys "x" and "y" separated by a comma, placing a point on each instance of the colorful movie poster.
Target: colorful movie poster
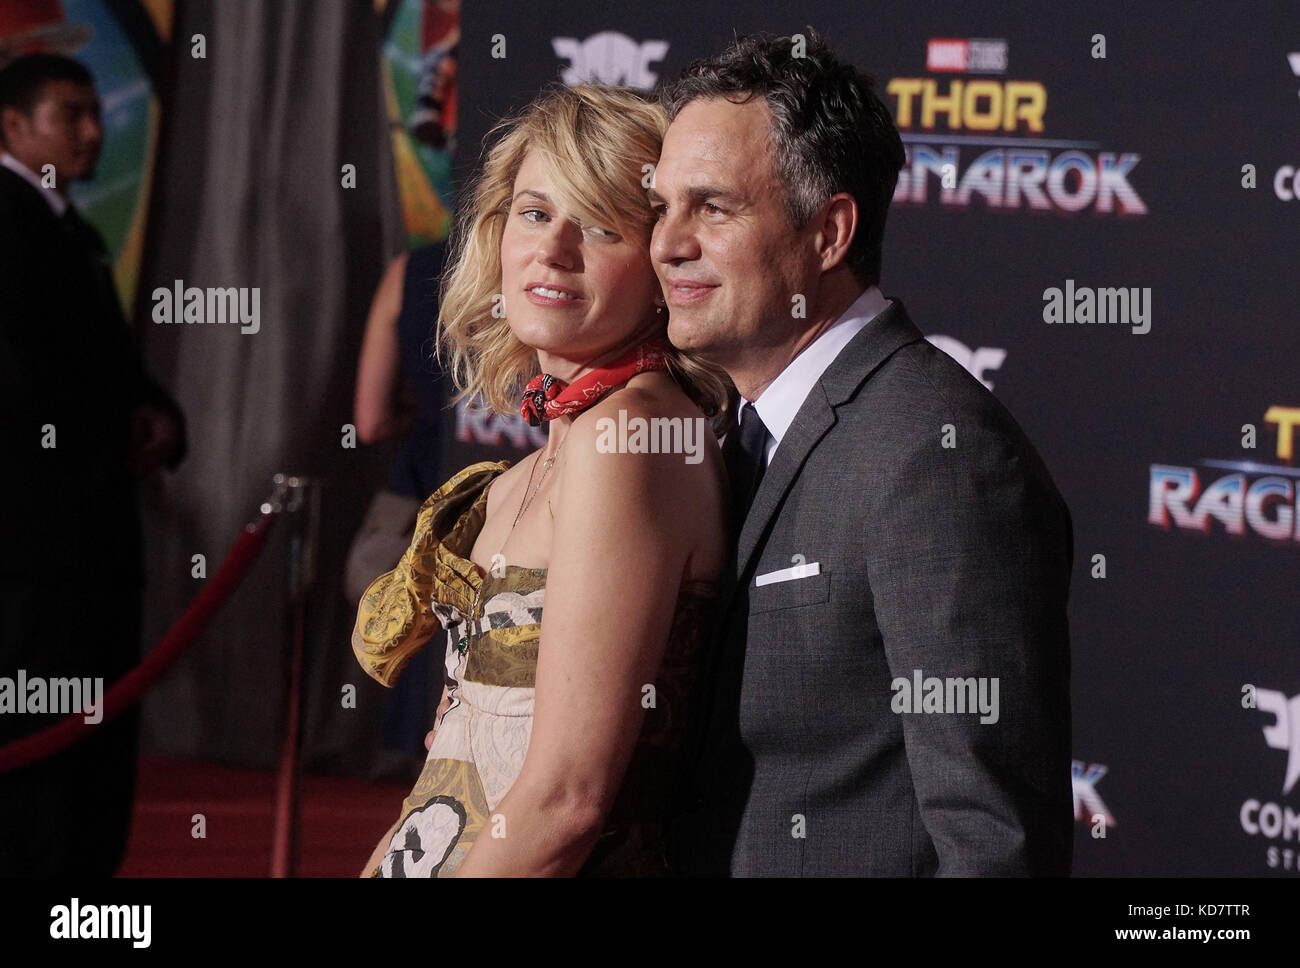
{"x": 419, "y": 78}
{"x": 120, "y": 43}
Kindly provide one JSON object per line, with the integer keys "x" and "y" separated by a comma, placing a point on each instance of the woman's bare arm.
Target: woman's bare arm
{"x": 624, "y": 527}
{"x": 379, "y": 367}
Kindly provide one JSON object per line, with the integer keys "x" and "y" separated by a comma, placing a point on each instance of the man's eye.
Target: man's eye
{"x": 713, "y": 209}
{"x": 659, "y": 211}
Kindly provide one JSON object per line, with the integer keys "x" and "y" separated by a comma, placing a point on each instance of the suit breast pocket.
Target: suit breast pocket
{"x": 794, "y": 593}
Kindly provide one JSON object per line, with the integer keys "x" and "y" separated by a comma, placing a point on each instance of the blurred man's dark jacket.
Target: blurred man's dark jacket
{"x": 67, "y": 359}
{"x": 70, "y": 557}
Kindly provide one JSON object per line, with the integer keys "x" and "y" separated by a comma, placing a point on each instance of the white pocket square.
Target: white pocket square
{"x": 788, "y": 574}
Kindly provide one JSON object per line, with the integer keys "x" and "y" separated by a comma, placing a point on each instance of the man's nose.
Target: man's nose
{"x": 672, "y": 241}
{"x": 92, "y": 131}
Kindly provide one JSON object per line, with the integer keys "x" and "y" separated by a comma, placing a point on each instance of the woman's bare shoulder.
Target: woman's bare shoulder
{"x": 648, "y": 436}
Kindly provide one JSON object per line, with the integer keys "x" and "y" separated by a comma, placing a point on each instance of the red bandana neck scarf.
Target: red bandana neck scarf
{"x": 547, "y": 397}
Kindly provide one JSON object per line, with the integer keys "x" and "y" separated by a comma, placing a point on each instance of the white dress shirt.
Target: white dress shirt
{"x": 57, "y": 201}
{"x": 782, "y": 398}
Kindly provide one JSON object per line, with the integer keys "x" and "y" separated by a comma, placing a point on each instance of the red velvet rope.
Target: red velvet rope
{"x": 135, "y": 683}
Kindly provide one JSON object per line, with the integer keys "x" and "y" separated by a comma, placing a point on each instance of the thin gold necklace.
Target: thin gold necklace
{"x": 462, "y": 643}
{"x": 527, "y": 502}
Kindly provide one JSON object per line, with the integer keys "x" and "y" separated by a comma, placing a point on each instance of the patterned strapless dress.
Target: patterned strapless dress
{"x": 492, "y": 623}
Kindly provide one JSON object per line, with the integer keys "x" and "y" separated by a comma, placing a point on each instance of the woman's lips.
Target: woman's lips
{"x": 540, "y": 299}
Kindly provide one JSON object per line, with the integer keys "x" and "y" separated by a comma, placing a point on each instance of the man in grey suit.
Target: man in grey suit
{"x": 890, "y": 693}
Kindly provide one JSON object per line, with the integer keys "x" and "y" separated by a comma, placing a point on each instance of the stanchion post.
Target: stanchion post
{"x": 301, "y": 497}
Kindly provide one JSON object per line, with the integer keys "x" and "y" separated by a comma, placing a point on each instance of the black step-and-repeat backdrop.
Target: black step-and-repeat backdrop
{"x": 1100, "y": 218}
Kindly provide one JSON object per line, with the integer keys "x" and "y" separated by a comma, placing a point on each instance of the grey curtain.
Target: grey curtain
{"x": 248, "y": 194}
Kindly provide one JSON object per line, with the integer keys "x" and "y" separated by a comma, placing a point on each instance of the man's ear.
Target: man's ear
{"x": 837, "y": 221}
{"x": 10, "y": 117}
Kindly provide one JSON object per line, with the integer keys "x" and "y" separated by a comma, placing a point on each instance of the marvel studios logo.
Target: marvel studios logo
{"x": 967, "y": 56}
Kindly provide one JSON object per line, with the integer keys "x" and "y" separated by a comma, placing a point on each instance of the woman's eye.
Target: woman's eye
{"x": 598, "y": 232}
{"x": 532, "y": 211}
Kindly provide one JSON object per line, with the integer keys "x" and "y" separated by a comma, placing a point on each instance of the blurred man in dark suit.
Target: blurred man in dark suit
{"x": 80, "y": 423}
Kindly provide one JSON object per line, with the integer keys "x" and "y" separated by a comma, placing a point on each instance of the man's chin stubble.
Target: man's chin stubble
{"x": 703, "y": 348}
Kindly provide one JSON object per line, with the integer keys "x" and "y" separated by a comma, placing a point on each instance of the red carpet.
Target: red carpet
{"x": 341, "y": 821}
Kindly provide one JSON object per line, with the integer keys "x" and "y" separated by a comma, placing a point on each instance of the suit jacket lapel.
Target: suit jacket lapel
{"x": 855, "y": 364}
{"x": 810, "y": 425}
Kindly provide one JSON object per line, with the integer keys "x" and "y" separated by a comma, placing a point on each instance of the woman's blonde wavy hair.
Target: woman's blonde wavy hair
{"x": 597, "y": 144}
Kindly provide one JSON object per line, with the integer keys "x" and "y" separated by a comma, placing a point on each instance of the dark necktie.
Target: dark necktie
{"x": 745, "y": 455}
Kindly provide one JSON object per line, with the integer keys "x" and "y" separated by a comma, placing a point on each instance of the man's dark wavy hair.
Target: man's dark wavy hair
{"x": 830, "y": 132}
{"x": 22, "y": 81}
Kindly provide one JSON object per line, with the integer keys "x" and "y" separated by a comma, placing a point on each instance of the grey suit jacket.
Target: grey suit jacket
{"x": 933, "y": 562}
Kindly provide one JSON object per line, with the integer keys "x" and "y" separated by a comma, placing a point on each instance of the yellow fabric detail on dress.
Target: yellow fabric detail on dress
{"x": 394, "y": 619}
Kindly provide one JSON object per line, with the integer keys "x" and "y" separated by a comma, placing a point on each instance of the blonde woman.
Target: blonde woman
{"x": 575, "y": 589}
